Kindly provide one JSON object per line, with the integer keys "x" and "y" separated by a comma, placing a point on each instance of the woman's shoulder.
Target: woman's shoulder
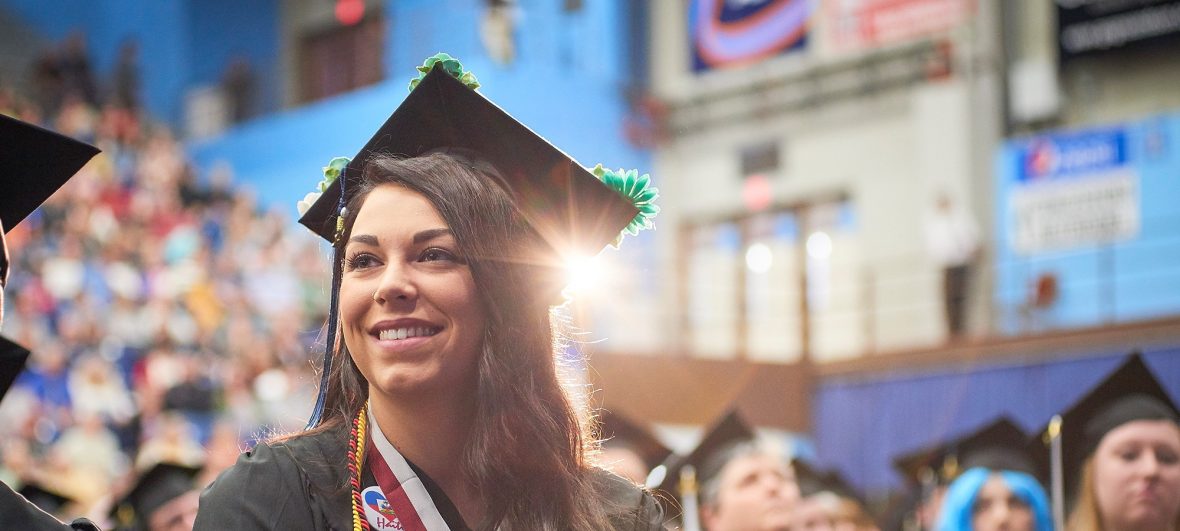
{"x": 275, "y": 483}
{"x": 630, "y": 506}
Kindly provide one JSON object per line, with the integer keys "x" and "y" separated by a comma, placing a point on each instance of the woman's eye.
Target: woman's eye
{"x": 435, "y": 254}
{"x": 360, "y": 261}
{"x": 1167, "y": 456}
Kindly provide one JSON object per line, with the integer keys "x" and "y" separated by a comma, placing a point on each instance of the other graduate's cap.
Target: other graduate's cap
{"x": 728, "y": 431}
{"x": 46, "y": 498}
{"x": 617, "y": 430}
{"x": 1129, "y": 393}
{"x": 35, "y": 162}
{"x": 999, "y": 445}
{"x": 153, "y": 488}
{"x": 12, "y": 362}
{"x": 812, "y": 480}
{"x": 566, "y": 204}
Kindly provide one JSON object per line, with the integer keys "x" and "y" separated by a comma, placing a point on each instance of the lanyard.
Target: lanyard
{"x": 402, "y": 507}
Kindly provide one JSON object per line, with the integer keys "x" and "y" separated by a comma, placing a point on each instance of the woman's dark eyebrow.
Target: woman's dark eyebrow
{"x": 430, "y": 234}
{"x": 367, "y": 239}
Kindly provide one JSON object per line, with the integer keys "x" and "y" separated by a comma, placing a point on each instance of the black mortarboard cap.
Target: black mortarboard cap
{"x": 814, "y": 481}
{"x": 12, "y": 362}
{"x": 999, "y": 445}
{"x": 731, "y": 429}
{"x": 35, "y": 162}
{"x": 153, "y": 488}
{"x": 45, "y": 498}
{"x": 617, "y": 429}
{"x": 574, "y": 212}
{"x": 1131, "y": 392}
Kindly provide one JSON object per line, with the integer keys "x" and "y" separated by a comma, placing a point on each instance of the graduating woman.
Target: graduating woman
{"x": 441, "y": 405}
{"x": 1120, "y": 454}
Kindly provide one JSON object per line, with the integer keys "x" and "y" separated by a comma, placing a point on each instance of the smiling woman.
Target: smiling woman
{"x": 442, "y": 405}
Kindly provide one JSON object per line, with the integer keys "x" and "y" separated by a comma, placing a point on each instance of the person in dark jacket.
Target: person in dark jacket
{"x": 442, "y": 406}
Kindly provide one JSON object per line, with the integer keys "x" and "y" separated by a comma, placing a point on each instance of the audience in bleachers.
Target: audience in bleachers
{"x": 169, "y": 315}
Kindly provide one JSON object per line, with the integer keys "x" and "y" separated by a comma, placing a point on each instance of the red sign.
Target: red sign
{"x": 863, "y": 24}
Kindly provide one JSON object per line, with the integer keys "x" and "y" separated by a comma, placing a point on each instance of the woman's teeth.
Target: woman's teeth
{"x": 403, "y": 333}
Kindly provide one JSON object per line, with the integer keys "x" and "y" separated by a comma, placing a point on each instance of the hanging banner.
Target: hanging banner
{"x": 735, "y": 32}
{"x": 1088, "y": 26}
{"x": 857, "y": 25}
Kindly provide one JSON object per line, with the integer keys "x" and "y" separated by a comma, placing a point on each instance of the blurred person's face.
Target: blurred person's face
{"x": 180, "y": 514}
{"x": 410, "y": 314}
{"x": 999, "y": 509}
{"x": 757, "y": 492}
{"x": 1137, "y": 475}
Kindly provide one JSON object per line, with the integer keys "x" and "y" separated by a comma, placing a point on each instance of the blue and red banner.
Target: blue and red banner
{"x": 735, "y": 32}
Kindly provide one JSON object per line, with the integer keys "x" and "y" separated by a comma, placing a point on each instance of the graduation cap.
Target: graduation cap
{"x": 46, "y": 498}
{"x": 731, "y": 429}
{"x": 617, "y": 430}
{"x": 572, "y": 210}
{"x": 12, "y": 361}
{"x": 153, "y": 488}
{"x": 999, "y": 445}
{"x": 1129, "y": 393}
{"x": 814, "y": 481}
{"x": 34, "y": 163}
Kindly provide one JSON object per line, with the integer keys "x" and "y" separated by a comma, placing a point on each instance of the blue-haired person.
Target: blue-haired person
{"x": 984, "y": 499}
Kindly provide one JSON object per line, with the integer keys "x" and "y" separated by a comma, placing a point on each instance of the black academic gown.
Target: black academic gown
{"x": 302, "y": 483}
{"x": 18, "y": 513}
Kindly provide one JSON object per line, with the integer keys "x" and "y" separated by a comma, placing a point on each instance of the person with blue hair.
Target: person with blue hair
{"x": 983, "y": 499}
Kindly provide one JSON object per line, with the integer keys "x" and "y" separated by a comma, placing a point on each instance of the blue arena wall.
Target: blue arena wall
{"x": 182, "y": 43}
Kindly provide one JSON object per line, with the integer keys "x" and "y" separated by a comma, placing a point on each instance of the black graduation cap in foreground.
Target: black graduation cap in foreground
{"x": 12, "y": 361}
{"x": 34, "y": 163}
{"x": 157, "y": 486}
{"x": 574, "y": 212}
{"x": 999, "y": 445}
{"x": 1129, "y": 393}
{"x": 46, "y": 498}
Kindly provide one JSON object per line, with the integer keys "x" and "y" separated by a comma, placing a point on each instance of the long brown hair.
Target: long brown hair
{"x": 527, "y": 451}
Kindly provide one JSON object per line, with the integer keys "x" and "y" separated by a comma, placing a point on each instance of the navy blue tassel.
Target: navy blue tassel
{"x": 317, "y": 413}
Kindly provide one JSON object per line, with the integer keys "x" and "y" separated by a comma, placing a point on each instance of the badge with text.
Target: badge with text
{"x": 378, "y": 511}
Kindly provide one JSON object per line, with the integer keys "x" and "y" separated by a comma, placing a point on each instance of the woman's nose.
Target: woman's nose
{"x": 396, "y": 285}
{"x": 1150, "y": 465}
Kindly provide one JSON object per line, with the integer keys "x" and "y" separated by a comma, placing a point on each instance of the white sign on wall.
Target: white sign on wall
{"x": 1096, "y": 209}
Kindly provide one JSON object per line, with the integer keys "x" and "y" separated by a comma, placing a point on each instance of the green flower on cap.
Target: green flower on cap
{"x": 450, "y": 65}
{"x": 331, "y": 172}
{"x": 638, "y": 190}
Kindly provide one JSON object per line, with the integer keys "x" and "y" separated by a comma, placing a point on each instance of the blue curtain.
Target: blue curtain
{"x": 860, "y": 424}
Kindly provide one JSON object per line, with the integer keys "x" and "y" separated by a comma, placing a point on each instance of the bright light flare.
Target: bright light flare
{"x": 582, "y": 273}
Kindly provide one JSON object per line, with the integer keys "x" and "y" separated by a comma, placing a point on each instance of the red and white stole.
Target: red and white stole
{"x": 400, "y": 502}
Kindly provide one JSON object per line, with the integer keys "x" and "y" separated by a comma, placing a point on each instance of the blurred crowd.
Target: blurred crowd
{"x": 169, "y": 316}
